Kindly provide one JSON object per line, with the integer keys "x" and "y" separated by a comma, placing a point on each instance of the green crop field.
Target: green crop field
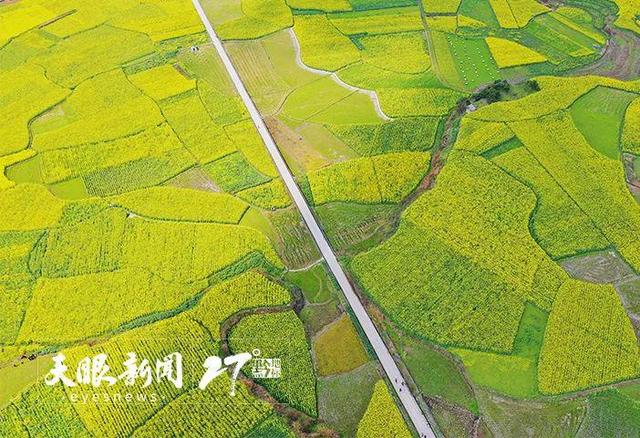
{"x": 473, "y": 165}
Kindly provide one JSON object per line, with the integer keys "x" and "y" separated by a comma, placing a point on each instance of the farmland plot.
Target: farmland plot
{"x": 103, "y": 106}
{"x": 137, "y": 193}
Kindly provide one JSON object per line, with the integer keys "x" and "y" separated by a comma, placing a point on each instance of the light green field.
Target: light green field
{"x": 515, "y": 375}
{"x": 436, "y": 374}
{"x": 343, "y": 399}
{"x": 473, "y": 61}
{"x": 599, "y": 115}
{"x": 315, "y": 283}
{"x": 325, "y": 101}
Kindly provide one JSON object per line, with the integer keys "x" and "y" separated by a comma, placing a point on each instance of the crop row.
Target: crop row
{"x": 180, "y": 252}
{"x": 631, "y": 131}
{"x": 510, "y": 54}
{"x": 377, "y": 179}
{"x": 281, "y": 336}
{"x": 469, "y": 260}
{"x": 403, "y": 134}
{"x": 516, "y": 13}
{"x": 589, "y": 340}
{"x": 382, "y": 417}
{"x": 594, "y": 182}
{"x": 560, "y": 226}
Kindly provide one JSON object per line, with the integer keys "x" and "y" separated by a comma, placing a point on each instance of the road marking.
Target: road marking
{"x": 395, "y": 377}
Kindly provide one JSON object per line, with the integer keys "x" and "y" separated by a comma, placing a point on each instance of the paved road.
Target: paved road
{"x": 410, "y": 404}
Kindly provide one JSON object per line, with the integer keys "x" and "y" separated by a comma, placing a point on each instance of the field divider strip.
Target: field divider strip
{"x": 407, "y": 399}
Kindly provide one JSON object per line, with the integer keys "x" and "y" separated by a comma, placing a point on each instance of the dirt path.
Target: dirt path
{"x": 621, "y": 58}
{"x": 302, "y": 423}
{"x": 334, "y": 76}
{"x": 437, "y": 163}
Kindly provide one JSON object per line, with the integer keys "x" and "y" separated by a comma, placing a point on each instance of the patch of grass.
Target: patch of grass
{"x": 71, "y": 189}
{"x": 318, "y": 316}
{"x": 581, "y": 21}
{"x": 515, "y": 375}
{"x": 611, "y": 414}
{"x": 343, "y": 399}
{"x": 16, "y": 378}
{"x": 315, "y": 283}
{"x": 313, "y": 98}
{"x": 338, "y": 348}
{"x": 435, "y": 374}
{"x": 356, "y": 108}
{"x": 599, "y": 115}
{"x": 563, "y": 47}
{"x": 480, "y": 10}
{"x": 502, "y": 148}
{"x": 473, "y": 60}
{"x": 509, "y": 417}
